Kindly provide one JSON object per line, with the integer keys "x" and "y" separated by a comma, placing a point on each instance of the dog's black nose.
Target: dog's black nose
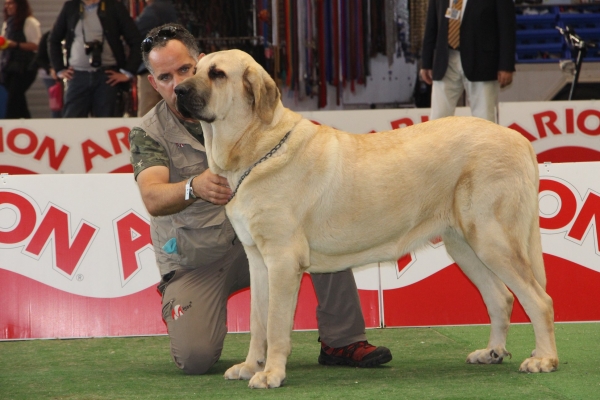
{"x": 181, "y": 91}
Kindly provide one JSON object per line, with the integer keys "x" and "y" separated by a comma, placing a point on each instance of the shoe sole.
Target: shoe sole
{"x": 331, "y": 360}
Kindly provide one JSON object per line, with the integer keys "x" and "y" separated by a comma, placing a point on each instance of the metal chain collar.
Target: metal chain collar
{"x": 265, "y": 157}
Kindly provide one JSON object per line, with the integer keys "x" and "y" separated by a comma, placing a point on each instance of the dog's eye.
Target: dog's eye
{"x": 214, "y": 73}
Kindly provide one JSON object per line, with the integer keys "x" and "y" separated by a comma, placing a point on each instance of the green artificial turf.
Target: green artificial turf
{"x": 429, "y": 363}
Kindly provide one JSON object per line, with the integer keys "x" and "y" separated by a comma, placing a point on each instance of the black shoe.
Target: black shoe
{"x": 358, "y": 354}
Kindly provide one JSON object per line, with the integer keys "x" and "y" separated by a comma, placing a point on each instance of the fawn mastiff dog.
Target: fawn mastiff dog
{"x": 313, "y": 198}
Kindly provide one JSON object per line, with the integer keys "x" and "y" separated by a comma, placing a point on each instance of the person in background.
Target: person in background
{"x": 46, "y": 71}
{"x": 468, "y": 45}
{"x": 156, "y": 13}
{"x": 96, "y": 61}
{"x": 17, "y": 61}
{"x": 200, "y": 259}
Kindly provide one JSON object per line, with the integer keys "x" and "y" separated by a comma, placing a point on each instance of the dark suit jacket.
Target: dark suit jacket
{"x": 487, "y": 39}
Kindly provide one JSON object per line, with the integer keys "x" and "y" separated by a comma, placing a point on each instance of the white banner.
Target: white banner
{"x": 76, "y": 233}
{"x": 560, "y": 131}
{"x": 65, "y": 146}
{"x": 83, "y": 234}
{"x": 566, "y": 131}
{"x": 570, "y": 212}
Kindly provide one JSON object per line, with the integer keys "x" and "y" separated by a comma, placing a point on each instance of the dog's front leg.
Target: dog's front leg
{"x": 284, "y": 283}
{"x": 259, "y": 303}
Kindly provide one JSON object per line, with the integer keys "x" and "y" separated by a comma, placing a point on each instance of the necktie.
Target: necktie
{"x": 454, "y": 26}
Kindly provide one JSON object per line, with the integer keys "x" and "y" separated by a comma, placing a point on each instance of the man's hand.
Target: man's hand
{"x": 66, "y": 74}
{"x": 505, "y": 78}
{"x": 163, "y": 198}
{"x": 212, "y": 188}
{"x": 426, "y": 76}
{"x": 115, "y": 77}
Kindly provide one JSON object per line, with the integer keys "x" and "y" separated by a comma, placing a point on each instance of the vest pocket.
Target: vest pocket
{"x": 204, "y": 246}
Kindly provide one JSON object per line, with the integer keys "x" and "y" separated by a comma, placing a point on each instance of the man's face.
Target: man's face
{"x": 172, "y": 64}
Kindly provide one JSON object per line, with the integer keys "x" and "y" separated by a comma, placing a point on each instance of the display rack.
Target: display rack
{"x": 538, "y": 40}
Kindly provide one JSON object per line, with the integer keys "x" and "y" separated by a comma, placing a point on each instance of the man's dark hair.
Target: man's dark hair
{"x": 161, "y": 35}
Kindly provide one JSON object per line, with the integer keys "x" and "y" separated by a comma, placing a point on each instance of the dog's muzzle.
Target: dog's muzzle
{"x": 189, "y": 103}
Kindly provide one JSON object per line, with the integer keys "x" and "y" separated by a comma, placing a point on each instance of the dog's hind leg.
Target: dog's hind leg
{"x": 508, "y": 252}
{"x": 497, "y": 298}
{"x": 259, "y": 293}
{"x": 544, "y": 358}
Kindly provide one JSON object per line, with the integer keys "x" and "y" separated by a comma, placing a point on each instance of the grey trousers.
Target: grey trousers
{"x": 195, "y": 309}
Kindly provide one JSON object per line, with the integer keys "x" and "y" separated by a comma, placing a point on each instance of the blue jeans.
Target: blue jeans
{"x": 88, "y": 94}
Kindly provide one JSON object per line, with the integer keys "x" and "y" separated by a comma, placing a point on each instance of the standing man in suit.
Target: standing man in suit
{"x": 468, "y": 45}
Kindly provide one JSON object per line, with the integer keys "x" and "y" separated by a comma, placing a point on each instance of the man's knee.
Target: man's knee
{"x": 196, "y": 359}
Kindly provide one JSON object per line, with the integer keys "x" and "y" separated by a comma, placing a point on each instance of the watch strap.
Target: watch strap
{"x": 189, "y": 190}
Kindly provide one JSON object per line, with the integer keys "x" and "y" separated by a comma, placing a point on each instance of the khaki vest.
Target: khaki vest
{"x": 202, "y": 231}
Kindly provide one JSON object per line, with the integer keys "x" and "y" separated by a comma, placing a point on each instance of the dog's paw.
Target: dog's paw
{"x": 539, "y": 364}
{"x": 241, "y": 371}
{"x": 266, "y": 380}
{"x": 488, "y": 356}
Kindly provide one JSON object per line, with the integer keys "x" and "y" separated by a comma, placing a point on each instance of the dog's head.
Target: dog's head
{"x": 228, "y": 86}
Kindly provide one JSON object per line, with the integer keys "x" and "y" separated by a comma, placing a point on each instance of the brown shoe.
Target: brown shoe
{"x": 358, "y": 354}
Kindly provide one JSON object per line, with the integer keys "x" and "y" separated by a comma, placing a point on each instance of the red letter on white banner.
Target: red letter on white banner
{"x": 55, "y": 224}
{"x": 133, "y": 236}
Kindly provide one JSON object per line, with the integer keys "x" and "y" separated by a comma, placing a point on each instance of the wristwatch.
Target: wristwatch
{"x": 189, "y": 190}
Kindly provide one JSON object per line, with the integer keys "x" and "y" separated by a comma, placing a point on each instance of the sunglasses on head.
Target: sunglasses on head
{"x": 165, "y": 34}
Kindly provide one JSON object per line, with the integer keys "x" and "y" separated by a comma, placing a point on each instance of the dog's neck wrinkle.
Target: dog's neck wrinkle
{"x": 265, "y": 139}
{"x": 208, "y": 131}
{"x": 260, "y": 139}
{"x": 243, "y": 151}
{"x": 224, "y": 144}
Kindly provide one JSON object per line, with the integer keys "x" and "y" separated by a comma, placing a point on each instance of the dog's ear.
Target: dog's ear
{"x": 262, "y": 91}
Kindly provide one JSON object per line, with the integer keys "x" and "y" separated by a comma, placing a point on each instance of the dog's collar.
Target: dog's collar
{"x": 266, "y": 156}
